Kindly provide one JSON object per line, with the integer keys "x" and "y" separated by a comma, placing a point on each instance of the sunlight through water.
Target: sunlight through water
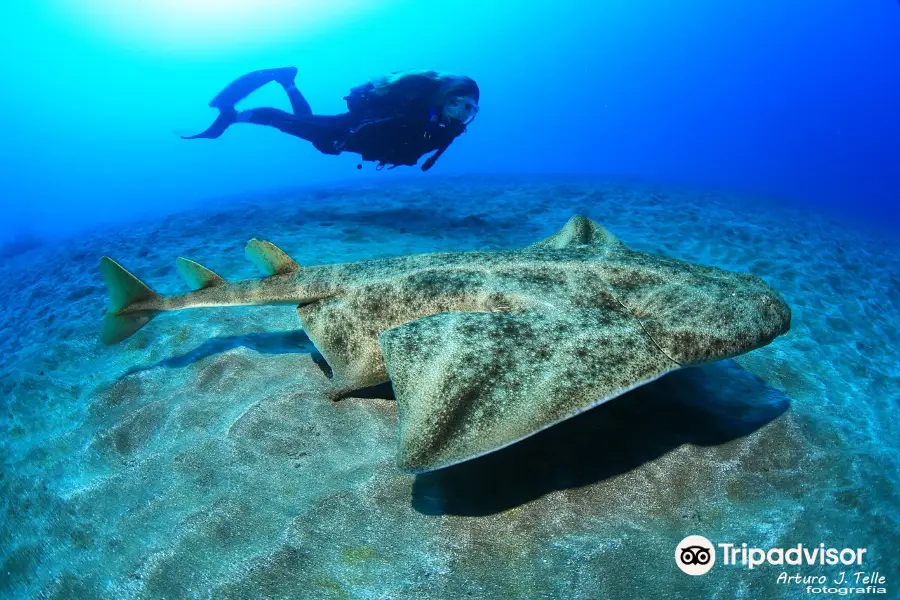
{"x": 207, "y": 25}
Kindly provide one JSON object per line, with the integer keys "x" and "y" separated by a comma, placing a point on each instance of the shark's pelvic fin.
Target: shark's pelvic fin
{"x": 196, "y": 275}
{"x": 269, "y": 258}
{"x": 124, "y": 290}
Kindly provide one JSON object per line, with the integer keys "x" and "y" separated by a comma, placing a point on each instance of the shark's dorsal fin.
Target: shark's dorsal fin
{"x": 196, "y": 275}
{"x": 580, "y": 231}
{"x": 269, "y": 258}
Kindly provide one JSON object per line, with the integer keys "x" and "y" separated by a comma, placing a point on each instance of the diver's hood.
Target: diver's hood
{"x": 459, "y": 85}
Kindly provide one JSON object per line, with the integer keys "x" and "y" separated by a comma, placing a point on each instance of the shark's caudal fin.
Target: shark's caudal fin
{"x": 124, "y": 290}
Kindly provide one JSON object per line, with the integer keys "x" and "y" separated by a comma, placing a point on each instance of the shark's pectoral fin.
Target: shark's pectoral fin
{"x": 269, "y": 258}
{"x": 470, "y": 383}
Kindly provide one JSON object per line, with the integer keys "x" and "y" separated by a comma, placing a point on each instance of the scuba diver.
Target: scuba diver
{"x": 392, "y": 120}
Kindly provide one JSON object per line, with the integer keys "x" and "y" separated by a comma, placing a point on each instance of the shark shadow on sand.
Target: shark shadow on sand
{"x": 282, "y": 342}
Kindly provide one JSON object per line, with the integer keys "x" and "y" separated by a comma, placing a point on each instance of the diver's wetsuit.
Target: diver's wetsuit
{"x": 392, "y": 130}
{"x": 390, "y": 141}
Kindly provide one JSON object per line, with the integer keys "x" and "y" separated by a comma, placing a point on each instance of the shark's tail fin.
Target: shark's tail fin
{"x": 124, "y": 291}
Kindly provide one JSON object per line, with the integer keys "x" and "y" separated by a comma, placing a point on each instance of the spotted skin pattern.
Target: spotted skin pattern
{"x": 484, "y": 349}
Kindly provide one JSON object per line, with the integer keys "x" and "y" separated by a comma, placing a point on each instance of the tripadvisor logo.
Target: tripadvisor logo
{"x": 696, "y": 555}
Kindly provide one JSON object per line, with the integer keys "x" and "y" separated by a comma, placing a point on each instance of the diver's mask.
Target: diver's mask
{"x": 460, "y": 108}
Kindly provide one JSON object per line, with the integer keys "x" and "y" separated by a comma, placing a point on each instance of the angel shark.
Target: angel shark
{"x": 485, "y": 348}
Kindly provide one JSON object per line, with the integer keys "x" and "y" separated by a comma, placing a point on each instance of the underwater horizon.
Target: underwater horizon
{"x": 506, "y": 300}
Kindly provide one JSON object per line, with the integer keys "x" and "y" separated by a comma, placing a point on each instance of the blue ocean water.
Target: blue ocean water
{"x": 201, "y": 459}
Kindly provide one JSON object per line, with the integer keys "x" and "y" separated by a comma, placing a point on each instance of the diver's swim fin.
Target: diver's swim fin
{"x": 124, "y": 290}
{"x": 245, "y": 85}
{"x": 242, "y": 87}
{"x": 227, "y": 117}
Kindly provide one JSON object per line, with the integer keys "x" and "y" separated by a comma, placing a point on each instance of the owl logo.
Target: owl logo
{"x": 695, "y": 555}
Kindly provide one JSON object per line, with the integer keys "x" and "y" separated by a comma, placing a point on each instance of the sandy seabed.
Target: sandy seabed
{"x": 199, "y": 459}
